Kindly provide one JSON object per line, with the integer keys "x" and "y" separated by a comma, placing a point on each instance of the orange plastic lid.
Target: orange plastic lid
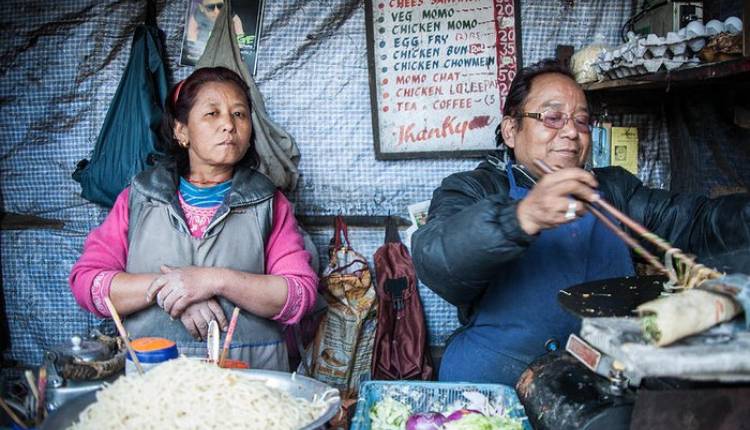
{"x": 147, "y": 344}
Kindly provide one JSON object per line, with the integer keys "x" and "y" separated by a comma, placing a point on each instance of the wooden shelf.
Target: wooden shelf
{"x": 13, "y": 221}
{"x": 725, "y": 71}
{"x": 351, "y": 221}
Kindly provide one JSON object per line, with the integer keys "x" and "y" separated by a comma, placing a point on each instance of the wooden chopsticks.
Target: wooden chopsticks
{"x": 123, "y": 334}
{"x": 41, "y": 409}
{"x": 32, "y": 384}
{"x": 230, "y": 333}
{"x": 627, "y": 221}
{"x": 12, "y": 414}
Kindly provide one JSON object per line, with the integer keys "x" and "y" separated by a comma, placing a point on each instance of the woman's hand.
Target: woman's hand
{"x": 178, "y": 288}
{"x": 197, "y": 316}
{"x": 549, "y": 203}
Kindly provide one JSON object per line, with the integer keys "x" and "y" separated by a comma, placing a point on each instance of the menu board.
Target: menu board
{"x": 439, "y": 74}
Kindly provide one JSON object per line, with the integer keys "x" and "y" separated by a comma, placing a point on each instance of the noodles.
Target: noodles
{"x": 684, "y": 272}
{"x": 188, "y": 394}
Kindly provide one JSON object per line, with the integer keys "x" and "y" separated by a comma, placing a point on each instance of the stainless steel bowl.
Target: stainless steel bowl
{"x": 295, "y": 385}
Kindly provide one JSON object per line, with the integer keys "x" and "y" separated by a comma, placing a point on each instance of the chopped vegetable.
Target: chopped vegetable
{"x": 457, "y": 415}
{"x": 389, "y": 414}
{"x": 426, "y": 421}
{"x": 481, "y": 422}
{"x": 650, "y": 328}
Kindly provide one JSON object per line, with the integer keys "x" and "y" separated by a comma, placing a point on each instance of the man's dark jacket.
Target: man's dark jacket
{"x": 472, "y": 226}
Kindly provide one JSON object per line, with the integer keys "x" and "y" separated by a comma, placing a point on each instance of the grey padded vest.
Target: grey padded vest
{"x": 158, "y": 234}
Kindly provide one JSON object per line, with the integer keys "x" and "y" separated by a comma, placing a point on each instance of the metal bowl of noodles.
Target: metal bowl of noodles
{"x": 295, "y": 385}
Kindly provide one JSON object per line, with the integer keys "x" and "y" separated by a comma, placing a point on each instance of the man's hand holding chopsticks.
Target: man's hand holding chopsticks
{"x": 549, "y": 203}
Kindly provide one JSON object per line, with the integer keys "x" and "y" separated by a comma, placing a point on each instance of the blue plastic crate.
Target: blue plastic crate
{"x": 432, "y": 396}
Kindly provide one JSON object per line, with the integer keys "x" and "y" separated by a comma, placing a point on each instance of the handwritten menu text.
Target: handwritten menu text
{"x": 442, "y": 69}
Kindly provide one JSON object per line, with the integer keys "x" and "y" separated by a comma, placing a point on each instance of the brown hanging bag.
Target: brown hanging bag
{"x": 342, "y": 350}
{"x": 401, "y": 348}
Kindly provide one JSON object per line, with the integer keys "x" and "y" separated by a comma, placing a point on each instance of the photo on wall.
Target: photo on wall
{"x": 199, "y": 22}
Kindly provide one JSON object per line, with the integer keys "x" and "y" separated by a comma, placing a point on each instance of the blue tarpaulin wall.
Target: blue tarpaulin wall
{"x": 62, "y": 61}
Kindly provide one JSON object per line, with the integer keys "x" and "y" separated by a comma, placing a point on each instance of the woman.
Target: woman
{"x": 200, "y": 233}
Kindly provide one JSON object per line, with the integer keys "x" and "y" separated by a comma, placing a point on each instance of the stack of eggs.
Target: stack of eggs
{"x": 652, "y": 53}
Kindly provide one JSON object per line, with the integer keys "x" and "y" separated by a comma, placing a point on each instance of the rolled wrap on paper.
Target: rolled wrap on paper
{"x": 679, "y": 315}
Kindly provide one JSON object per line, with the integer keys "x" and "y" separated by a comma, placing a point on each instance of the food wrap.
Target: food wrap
{"x": 679, "y": 315}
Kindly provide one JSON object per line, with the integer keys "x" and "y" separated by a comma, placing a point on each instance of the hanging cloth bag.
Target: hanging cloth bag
{"x": 342, "y": 350}
{"x": 401, "y": 348}
{"x": 131, "y": 127}
{"x": 277, "y": 150}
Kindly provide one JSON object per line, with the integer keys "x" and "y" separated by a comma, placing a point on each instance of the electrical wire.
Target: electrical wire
{"x": 628, "y": 26}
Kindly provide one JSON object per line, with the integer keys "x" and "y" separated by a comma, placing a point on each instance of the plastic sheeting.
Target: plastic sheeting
{"x": 710, "y": 155}
{"x": 60, "y": 69}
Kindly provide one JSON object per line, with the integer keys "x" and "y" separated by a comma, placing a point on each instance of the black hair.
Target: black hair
{"x": 521, "y": 87}
{"x": 178, "y": 108}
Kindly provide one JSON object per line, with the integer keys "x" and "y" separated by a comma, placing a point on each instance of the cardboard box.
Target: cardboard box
{"x": 624, "y": 149}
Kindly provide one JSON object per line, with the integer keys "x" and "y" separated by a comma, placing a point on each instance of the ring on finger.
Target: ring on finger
{"x": 571, "y": 212}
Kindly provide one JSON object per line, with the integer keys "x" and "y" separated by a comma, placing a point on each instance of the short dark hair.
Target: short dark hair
{"x": 520, "y": 88}
{"x": 178, "y": 109}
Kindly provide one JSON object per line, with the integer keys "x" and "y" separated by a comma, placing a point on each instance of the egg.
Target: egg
{"x": 714, "y": 27}
{"x": 733, "y": 24}
{"x": 695, "y": 28}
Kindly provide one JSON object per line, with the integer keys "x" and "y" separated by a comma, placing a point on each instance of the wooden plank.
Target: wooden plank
{"x": 351, "y": 221}
{"x": 13, "y": 221}
{"x": 699, "y": 74}
{"x": 614, "y": 84}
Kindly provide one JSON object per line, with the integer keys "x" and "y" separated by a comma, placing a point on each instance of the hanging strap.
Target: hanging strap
{"x": 339, "y": 227}
{"x": 150, "y": 13}
{"x": 391, "y": 231}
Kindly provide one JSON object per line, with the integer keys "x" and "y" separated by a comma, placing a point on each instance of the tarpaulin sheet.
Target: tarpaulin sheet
{"x": 710, "y": 154}
{"x": 61, "y": 62}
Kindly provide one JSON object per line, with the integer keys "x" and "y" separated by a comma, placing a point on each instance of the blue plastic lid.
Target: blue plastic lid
{"x": 153, "y": 350}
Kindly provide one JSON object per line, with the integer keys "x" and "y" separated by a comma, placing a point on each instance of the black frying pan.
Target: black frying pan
{"x": 618, "y": 297}
{"x": 615, "y": 297}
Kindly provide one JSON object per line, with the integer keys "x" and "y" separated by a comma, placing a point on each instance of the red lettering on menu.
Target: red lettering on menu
{"x": 405, "y": 3}
{"x": 410, "y": 79}
{"x": 406, "y": 133}
{"x": 442, "y": 104}
{"x": 449, "y": 128}
{"x": 479, "y": 122}
{"x": 404, "y": 106}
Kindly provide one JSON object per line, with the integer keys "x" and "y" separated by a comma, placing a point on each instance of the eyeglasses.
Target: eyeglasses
{"x": 557, "y": 120}
{"x": 214, "y": 6}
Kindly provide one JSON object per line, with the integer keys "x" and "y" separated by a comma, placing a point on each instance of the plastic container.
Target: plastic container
{"x": 151, "y": 351}
{"x": 235, "y": 364}
{"x": 433, "y": 396}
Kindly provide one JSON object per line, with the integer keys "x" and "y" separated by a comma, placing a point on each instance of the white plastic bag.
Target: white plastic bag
{"x": 582, "y": 62}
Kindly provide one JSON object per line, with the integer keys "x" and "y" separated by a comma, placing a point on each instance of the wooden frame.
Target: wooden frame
{"x": 438, "y": 77}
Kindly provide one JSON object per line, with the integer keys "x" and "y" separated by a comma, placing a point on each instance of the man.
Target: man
{"x": 502, "y": 240}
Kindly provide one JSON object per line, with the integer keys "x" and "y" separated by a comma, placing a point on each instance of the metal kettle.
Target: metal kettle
{"x": 81, "y": 365}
